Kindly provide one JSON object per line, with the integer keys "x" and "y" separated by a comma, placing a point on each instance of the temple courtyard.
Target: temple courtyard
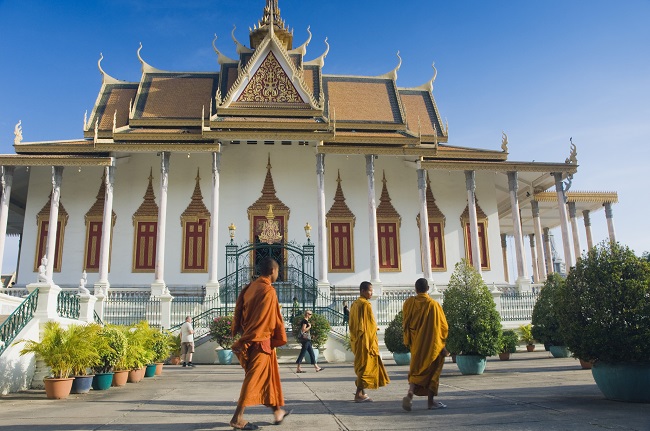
{"x": 532, "y": 391}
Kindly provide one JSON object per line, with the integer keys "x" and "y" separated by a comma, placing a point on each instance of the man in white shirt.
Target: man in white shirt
{"x": 187, "y": 342}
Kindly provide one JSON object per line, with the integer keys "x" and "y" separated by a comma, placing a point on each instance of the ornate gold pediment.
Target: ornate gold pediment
{"x": 270, "y": 83}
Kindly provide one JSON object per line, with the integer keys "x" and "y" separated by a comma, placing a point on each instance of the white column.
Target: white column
{"x": 574, "y": 229}
{"x": 587, "y": 219}
{"x": 610, "y": 221}
{"x": 158, "y": 287}
{"x": 372, "y": 224}
{"x": 424, "y": 225}
{"x": 548, "y": 252}
{"x": 522, "y": 273}
{"x": 57, "y": 174}
{"x": 107, "y": 222}
{"x": 470, "y": 184}
{"x": 5, "y": 182}
{"x": 212, "y": 286}
{"x": 504, "y": 255}
{"x": 533, "y": 256}
{"x": 537, "y": 225}
{"x": 564, "y": 226}
{"x": 321, "y": 228}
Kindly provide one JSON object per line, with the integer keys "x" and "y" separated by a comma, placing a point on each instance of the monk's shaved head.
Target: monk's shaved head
{"x": 421, "y": 285}
{"x": 267, "y": 265}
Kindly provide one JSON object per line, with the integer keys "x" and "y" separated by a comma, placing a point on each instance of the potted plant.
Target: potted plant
{"x": 526, "y": 336}
{"x": 603, "y": 310}
{"x": 546, "y": 326}
{"x": 175, "y": 355}
{"x": 162, "y": 344}
{"x": 474, "y": 322}
{"x": 221, "y": 332}
{"x": 508, "y": 343}
{"x": 139, "y": 353}
{"x": 394, "y": 341}
{"x": 57, "y": 349}
{"x": 111, "y": 347}
{"x": 86, "y": 356}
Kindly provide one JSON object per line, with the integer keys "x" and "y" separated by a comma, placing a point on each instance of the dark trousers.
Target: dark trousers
{"x": 306, "y": 348}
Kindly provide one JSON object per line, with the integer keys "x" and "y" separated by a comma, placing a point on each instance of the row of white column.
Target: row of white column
{"x": 541, "y": 266}
{"x": 158, "y": 287}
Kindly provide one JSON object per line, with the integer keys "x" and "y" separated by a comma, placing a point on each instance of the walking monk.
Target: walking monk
{"x": 368, "y": 367}
{"x": 258, "y": 320}
{"x": 425, "y": 332}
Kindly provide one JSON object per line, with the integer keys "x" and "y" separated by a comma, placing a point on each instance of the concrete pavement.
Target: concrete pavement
{"x": 532, "y": 392}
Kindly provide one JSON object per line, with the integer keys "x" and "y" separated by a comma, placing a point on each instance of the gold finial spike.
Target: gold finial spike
{"x": 269, "y": 214}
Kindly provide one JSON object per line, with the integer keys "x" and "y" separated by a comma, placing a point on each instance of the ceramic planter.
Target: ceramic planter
{"x": 559, "y": 351}
{"x": 224, "y": 356}
{"x": 471, "y": 364}
{"x": 402, "y": 358}
{"x": 585, "y": 365}
{"x": 504, "y": 356}
{"x": 159, "y": 368}
{"x": 58, "y": 389}
{"x": 530, "y": 347}
{"x": 136, "y": 375}
{"x": 82, "y": 384}
{"x": 629, "y": 382}
{"x": 120, "y": 377}
{"x": 102, "y": 381}
{"x": 150, "y": 370}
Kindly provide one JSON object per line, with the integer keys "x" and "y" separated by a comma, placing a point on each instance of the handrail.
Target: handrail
{"x": 67, "y": 305}
{"x": 17, "y": 320}
{"x": 97, "y": 318}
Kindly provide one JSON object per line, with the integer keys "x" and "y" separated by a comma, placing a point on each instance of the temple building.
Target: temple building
{"x": 269, "y": 148}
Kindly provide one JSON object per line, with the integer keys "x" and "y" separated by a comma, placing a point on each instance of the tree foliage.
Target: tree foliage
{"x": 394, "y": 335}
{"x": 474, "y": 322}
{"x": 604, "y": 306}
{"x": 546, "y": 325}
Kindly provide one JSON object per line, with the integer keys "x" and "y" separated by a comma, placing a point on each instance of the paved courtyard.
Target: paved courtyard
{"x": 532, "y": 391}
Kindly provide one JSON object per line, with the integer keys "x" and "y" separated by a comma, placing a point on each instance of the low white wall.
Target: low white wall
{"x": 16, "y": 372}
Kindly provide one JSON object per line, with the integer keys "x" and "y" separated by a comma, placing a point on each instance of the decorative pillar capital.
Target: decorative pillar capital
{"x": 587, "y": 218}
{"x": 608, "y": 210}
{"x": 572, "y": 209}
{"x": 535, "y": 207}
{"x": 320, "y": 164}
{"x": 422, "y": 179}
{"x": 216, "y": 162}
{"x": 504, "y": 241}
{"x": 513, "y": 184}
{"x": 531, "y": 238}
{"x": 470, "y": 181}
{"x": 370, "y": 164}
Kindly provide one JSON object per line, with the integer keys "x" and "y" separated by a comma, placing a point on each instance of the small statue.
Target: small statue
{"x": 42, "y": 277}
{"x": 82, "y": 284}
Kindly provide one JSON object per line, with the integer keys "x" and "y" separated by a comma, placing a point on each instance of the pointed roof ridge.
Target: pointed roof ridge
{"x": 320, "y": 60}
{"x": 268, "y": 193}
{"x": 339, "y": 208}
{"x": 386, "y": 208}
{"x": 221, "y": 58}
{"x": 479, "y": 211}
{"x": 146, "y": 67}
{"x": 97, "y": 209}
{"x": 302, "y": 49}
{"x": 148, "y": 207}
{"x": 196, "y": 206}
{"x": 432, "y": 208}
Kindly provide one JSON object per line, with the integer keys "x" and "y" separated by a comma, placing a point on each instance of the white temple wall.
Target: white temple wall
{"x": 243, "y": 169}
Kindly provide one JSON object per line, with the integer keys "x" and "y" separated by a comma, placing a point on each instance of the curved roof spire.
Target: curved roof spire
{"x": 319, "y": 61}
{"x": 221, "y": 59}
{"x": 146, "y": 67}
{"x": 271, "y": 18}
{"x": 106, "y": 78}
{"x": 241, "y": 49}
{"x": 302, "y": 49}
{"x": 393, "y": 73}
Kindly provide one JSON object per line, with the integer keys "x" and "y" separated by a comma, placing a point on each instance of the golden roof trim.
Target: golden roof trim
{"x": 579, "y": 196}
{"x": 54, "y": 160}
{"x": 497, "y": 166}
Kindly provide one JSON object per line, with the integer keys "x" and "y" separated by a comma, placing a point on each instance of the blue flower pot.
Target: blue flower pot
{"x": 102, "y": 381}
{"x": 224, "y": 356}
{"x": 559, "y": 351}
{"x": 471, "y": 364}
{"x": 402, "y": 358}
{"x": 150, "y": 371}
{"x": 629, "y": 382}
{"x": 81, "y": 384}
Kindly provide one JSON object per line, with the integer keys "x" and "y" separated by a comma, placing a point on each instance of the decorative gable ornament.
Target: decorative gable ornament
{"x": 270, "y": 83}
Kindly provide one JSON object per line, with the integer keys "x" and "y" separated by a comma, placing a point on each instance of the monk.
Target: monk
{"x": 368, "y": 366}
{"x": 425, "y": 332}
{"x": 259, "y": 322}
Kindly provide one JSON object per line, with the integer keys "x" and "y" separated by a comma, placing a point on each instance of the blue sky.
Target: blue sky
{"x": 542, "y": 71}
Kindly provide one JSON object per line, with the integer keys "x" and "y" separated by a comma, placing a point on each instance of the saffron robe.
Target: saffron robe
{"x": 425, "y": 332}
{"x": 368, "y": 366}
{"x": 259, "y": 321}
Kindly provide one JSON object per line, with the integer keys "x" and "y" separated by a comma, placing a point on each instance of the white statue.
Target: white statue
{"x": 42, "y": 277}
{"x": 82, "y": 284}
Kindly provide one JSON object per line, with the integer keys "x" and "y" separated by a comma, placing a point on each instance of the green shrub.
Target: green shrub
{"x": 394, "y": 335}
{"x": 221, "y": 331}
{"x": 604, "y": 306}
{"x": 162, "y": 345}
{"x": 526, "y": 334}
{"x": 111, "y": 346}
{"x": 57, "y": 349}
{"x": 474, "y": 322}
{"x": 508, "y": 341}
{"x": 86, "y": 355}
{"x": 546, "y": 325}
{"x": 320, "y": 329}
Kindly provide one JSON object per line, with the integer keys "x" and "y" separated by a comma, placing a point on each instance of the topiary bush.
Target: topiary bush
{"x": 545, "y": 321}
{"x": 474, "y": 322}
{"x": 508, "y": 341}
{"x": 604, "y": 306}
{"x": 394, "y": 335}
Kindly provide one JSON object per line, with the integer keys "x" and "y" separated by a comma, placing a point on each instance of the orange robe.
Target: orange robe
{"x": 258, "y": 320}
{"x": 368, "y": 366}
{"x": 425, "y": 332}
